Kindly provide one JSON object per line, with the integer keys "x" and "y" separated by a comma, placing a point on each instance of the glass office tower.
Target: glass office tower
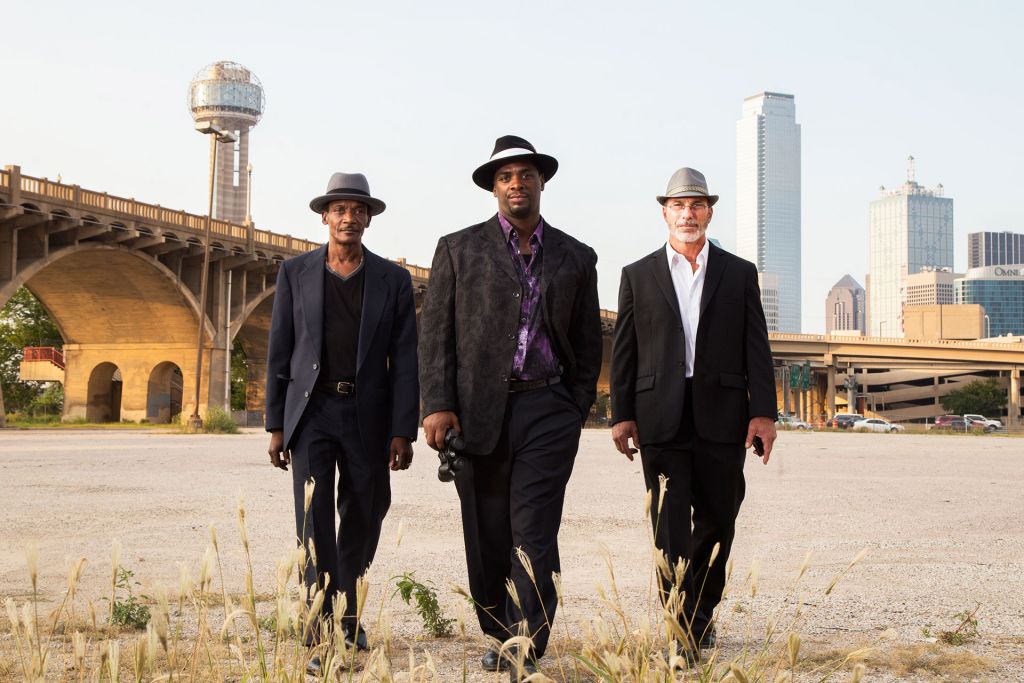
{"x": 910, "y": 228}
{"x": 768, "y": 196}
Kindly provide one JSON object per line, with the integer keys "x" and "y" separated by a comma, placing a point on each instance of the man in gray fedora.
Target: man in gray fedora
{"x": 342, "y": 390}
{"x": 510, "y": 351}
{"x": 692, "y": 386}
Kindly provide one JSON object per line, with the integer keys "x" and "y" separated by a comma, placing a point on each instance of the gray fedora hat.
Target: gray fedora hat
{"x": 687, "y": 182}
{"x": 509, "y": 148}
{"x": 347, "y": 186}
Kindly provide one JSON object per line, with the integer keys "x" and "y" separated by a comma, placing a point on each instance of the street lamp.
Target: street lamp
{"x": 988, "y": 327}
{"x": 195, "y": 422}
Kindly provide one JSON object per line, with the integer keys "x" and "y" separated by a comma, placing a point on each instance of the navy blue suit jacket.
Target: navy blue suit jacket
{"x": 387, "y": 388}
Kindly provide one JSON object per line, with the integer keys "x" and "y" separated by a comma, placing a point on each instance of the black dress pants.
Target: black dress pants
{"x": 702, "y": 499}
{"x": 512, "y": 498}
{"x": 329, "y": 441}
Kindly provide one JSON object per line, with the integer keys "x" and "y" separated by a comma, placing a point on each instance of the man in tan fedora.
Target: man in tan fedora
{"x": 692, "y": 386}
{"x": 342, "y": 391}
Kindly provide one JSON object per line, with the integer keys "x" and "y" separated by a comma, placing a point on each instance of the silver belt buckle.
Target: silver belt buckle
{"x": 345, "y": 387}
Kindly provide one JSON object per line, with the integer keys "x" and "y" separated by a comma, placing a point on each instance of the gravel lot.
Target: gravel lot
{"x": 940, "y": 518}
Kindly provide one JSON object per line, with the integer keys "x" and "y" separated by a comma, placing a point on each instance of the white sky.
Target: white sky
{"x": 413, "y": 94}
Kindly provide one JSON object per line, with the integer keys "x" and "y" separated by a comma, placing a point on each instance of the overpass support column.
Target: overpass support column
{"x": 830, "y": 392}
{"x": 1013, "y": 407}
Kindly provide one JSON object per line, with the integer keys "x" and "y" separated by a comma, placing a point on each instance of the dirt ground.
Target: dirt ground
{"x": 939, "y": 516}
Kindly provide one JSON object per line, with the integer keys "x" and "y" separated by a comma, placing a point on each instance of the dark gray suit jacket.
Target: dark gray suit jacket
{"x": 387, "y": 391}
{"x": 732, "y": 370}
{"x": 471, "y": 314}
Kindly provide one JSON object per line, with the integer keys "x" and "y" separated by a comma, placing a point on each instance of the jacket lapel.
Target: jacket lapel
{"x": 716, "y": 266}
{"x": 496, "y": 248}
{"x": 311, "y": 284}
{"x": 663, "y": 277}
{"x": 375, "y": 294}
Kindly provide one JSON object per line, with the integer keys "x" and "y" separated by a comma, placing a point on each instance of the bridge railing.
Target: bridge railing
{"x": 101, "y": 201}
{"x": 896, "y": 341}
{"x": 44, "y": 353}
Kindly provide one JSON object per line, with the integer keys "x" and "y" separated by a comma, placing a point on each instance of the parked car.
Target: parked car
{"x": 955, "y": 423}
{"x": 844, "y": 420}
{"x": 987, "y": 424}
{"x": 790, "y": 422}
{"x": 876, "y": 424}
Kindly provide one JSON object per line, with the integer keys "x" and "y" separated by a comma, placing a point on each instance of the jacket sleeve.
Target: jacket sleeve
{"x": 279, "y": 352}
{"x": 402, "y": 365}
{"x": 586, "y": 339}
{"x": 760, "y": 375}
{"x": 437, "y": 336}
{"x": 624, "y": 356}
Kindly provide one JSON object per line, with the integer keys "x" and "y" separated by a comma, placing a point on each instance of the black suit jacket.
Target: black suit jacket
{"x": 471, "y": 314}
{"x": 387, "y": 390}
{"x": 732, "y": 370}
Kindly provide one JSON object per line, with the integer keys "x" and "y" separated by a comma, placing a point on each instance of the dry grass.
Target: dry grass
{"x": 199, "y": 632}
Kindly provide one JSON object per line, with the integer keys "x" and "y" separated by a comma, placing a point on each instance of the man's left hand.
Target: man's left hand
{"x": 763, "y": 427}
{"x": 401, "y": 453}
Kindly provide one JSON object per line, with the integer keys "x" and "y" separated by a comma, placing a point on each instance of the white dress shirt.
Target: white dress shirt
{"x": 689, "y": 285}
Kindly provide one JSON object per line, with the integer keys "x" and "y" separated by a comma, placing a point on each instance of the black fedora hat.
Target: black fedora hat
{"x": 347, "y": 186}
{"x": 509, "y": 148}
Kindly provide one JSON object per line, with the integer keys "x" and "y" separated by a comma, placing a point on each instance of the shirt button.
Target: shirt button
{"x": 522, "y": 320}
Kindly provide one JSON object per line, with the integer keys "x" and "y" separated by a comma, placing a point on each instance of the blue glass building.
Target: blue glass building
{"x": 1000, "y": 291}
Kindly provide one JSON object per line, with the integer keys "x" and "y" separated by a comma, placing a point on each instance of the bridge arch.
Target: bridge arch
{"x": 105, "y": 389}
{"x": 164, "y": 393}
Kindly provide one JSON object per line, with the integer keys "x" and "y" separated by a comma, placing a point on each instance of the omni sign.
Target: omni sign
{"x": 1007, "y": 272}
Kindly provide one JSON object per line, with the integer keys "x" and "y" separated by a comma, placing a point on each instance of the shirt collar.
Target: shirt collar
{"x": 507, "y": 228}
{"x": 675, "y": 257}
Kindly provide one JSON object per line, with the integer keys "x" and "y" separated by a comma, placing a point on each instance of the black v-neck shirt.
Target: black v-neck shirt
{"x": 343, "y": 309}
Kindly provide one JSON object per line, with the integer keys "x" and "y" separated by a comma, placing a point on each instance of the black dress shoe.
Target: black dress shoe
{"x": 492, "y": 661}
{"x": 314, "y": 667}
{"x": 708, "y": 637}
{"x": 519, "y": 673}
{"x": 359, "y": 641}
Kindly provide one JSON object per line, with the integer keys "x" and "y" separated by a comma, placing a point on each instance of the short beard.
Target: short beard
{"x": 688, "y": 237}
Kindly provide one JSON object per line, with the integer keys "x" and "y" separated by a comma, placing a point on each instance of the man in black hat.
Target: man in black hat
{"x": 342, "y": 390}
{"x": 510, "y": 351}
{"x": 692, "y": 386}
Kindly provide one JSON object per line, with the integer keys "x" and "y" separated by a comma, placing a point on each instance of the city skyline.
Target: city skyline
{"x": 768, "y": 201}
{"x": 97, "y": 97}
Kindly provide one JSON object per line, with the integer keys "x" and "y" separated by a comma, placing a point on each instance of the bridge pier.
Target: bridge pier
{"x": 1013, "y": 405}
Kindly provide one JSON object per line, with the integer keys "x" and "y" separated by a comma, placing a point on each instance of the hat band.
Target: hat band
{"x": 688, "y": 188}
{"x": 346, "y": 190}
{"x": 511, "y": 152}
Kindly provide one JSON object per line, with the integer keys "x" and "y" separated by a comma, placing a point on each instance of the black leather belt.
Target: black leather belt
{"x": 517, "y": 385}
{"x": 339, "y": 387}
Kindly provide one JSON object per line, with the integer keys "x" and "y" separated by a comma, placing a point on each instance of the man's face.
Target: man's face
{"x": 687, "y": 218}
{"x": 347, "y": 219}
{"x": 518, "y": 186}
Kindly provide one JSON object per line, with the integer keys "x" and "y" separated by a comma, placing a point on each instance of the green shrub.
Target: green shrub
{"x": 218, "y": 421}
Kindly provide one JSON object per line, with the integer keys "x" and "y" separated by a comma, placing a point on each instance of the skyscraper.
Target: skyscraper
{"x": 992, "y": 248}
{"x": 768, "y": 196}
{"x": 844, "y": 307}
{"x": 911, "y": 228}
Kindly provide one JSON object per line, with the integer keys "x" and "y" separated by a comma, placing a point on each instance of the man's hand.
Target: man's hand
{"x": 622, "y": 432}
{"x": 401, "y": 453}
{"x": 763, "y": 427}
{"x": 436, "y": 425}
{"x": 279, "y": 457}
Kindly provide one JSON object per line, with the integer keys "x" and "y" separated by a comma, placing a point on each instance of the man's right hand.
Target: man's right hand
{"x": 436, "y": 425}
{"x": 622, "y": 432}
{"x": 279, "y": 457}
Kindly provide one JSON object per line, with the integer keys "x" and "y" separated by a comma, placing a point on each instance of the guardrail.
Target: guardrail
{"x": 44, "y": 353}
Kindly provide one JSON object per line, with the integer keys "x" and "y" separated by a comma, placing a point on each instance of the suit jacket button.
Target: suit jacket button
{"x": 314, "y": 366}
{"x": 515, "y": 294}
{"x": 306, "y": 394}
{"x": 504, "y": 378}
{"x": 680, "y": 363}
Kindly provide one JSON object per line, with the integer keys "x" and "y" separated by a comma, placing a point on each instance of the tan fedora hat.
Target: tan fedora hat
{"x": 687, "y": 182}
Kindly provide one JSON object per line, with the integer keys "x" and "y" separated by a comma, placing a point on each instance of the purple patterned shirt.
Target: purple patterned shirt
{"x": 534, "y": 357}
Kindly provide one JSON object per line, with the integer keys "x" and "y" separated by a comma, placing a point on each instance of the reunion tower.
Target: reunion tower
{"x": 229, "y": 96}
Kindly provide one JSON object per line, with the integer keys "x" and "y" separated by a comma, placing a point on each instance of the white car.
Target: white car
{"x": 875, "y": 424}
{"x": 989, "y": 425}
{"x": 790, "y": 422}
